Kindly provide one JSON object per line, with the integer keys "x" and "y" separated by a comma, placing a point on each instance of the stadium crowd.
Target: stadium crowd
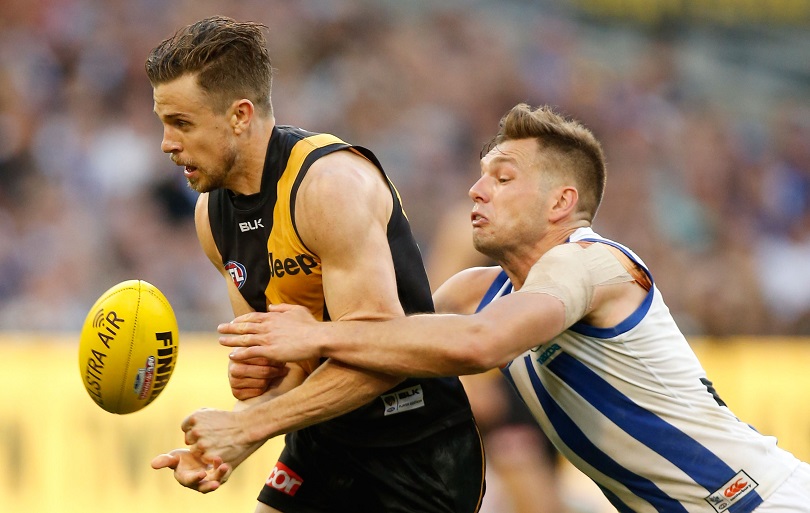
{"x": 717, "y": 190}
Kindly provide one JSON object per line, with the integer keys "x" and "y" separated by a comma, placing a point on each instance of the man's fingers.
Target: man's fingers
{"x": 243, "y": 394}
{"x": 245, "y": 354}
{"x": 245, "y": 325}
{"x": 191, "y": 478}
{"x": 215, "y": 477}
{"x": 252, "y": 317}
{"x": 165, "y": 461}
{"x": 261, "y": 361}
{"x": 283, "y": 307}
{"x": 220, "y": 472}
{"x": 247, "y": 383}
{"x": 252, "y": 322}
{"x": 192, "y": 472}
{"x": 241, "y": 368}
{"x": 235, "y": 328}
{"x": 196, "y": 480}
{"x": 207, "y": 486}
{"x": 232, "y": 341}
{"x": 232, "y": 336}
{"x": 187, "y": 423}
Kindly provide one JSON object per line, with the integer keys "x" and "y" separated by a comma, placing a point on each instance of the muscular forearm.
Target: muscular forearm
{"x": 332, "y": 390}
{"x": 419, "y": 345}
{"x": 422, "y": 345}
{"x": 445, "y": 345}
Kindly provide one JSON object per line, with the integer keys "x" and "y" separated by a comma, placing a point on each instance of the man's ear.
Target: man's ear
{"x": 565, "y": 204}
{"x": 241, "y": 115}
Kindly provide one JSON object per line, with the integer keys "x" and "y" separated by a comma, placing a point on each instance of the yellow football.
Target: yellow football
{"x": 128, "y": 347}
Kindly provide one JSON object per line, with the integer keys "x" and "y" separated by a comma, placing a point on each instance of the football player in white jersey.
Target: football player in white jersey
{"x": 585, "y": 338}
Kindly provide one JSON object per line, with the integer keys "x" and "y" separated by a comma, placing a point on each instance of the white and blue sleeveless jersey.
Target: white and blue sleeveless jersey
{"x": 631, "y": 407}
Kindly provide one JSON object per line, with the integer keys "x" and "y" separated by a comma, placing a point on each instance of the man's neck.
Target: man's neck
{"x": 518, "y": 264}
{"x": 249, "y": 166}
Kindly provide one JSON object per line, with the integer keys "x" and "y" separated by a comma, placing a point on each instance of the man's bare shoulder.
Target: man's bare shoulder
{"x": 462, "y": 293}
{"x": 345, "y": 168}
{"x": 342, "y": 198}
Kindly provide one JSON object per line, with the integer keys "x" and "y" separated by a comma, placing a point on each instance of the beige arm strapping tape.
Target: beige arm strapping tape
{"x": 571, "y": 273}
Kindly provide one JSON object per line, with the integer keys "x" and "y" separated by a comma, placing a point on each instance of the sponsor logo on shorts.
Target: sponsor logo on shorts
{"x": 404, "y": 400}
{"x": 732, "y": 491}
{"x": 283, "y": 479}
{"x": 237, "y": 271}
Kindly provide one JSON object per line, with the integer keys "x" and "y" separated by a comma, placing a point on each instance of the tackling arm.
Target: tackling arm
{"x": 419, "y": 345}
{"x": 568, "y": 283}
{"x": 560, "y": 289}
{"x": 445, "y": 344}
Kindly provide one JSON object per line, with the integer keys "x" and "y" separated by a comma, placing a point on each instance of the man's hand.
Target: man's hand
{"x": 218, "y": 436}
{"x": 285, "y": 333}
{"x": 191, "y": 472}
{"x": 251, "y": 377}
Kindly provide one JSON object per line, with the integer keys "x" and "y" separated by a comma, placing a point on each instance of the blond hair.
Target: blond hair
{"x": 571, "y": 146}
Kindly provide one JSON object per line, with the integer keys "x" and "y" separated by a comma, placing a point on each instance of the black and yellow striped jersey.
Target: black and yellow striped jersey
{"x": 270, "y": 264}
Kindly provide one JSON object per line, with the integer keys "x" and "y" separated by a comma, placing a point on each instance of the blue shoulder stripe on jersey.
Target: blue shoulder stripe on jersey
{"x": 573, "y": 437}
{"x": 497, "y": 285}
{"x": 634, "y": 318}
{"x": 683, "y": 451}
{"x": 626, "y": 325}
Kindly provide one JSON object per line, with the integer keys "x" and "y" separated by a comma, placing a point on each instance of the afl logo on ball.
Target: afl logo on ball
{"x": 237, "y": 272}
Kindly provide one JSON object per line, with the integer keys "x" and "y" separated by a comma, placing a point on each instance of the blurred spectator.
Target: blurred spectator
{"x": 711, "y": 163}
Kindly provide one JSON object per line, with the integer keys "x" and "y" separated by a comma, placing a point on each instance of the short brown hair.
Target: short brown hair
{"x": 230, "y": 59}
{"x": 572, "y": 144}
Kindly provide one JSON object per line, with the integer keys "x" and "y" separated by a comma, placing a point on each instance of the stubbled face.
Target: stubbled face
{"x": 197, "y": 138}
{"x": 510, "y": 212}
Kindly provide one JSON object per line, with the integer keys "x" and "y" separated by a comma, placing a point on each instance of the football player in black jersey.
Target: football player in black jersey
{"x": 292, "y": 216}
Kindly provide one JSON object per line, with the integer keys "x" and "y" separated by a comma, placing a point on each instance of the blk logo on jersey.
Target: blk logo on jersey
{"x": 251, "y": 225}
{"x": 735, "y": 489}
{"x": 404, "y": 400}
{"x": 283, "y": 479}
{"x": 238, "y": 273}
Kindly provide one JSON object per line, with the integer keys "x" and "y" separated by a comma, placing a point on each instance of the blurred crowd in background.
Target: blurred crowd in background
{"x": 706, "y": 129}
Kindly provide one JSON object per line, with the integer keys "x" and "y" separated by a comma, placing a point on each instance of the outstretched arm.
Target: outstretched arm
{"x": 419, "y": 345}
{"x": 567, "y": 284}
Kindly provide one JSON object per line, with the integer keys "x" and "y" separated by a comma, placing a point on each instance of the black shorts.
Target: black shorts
{"x": 443, "y": 473}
